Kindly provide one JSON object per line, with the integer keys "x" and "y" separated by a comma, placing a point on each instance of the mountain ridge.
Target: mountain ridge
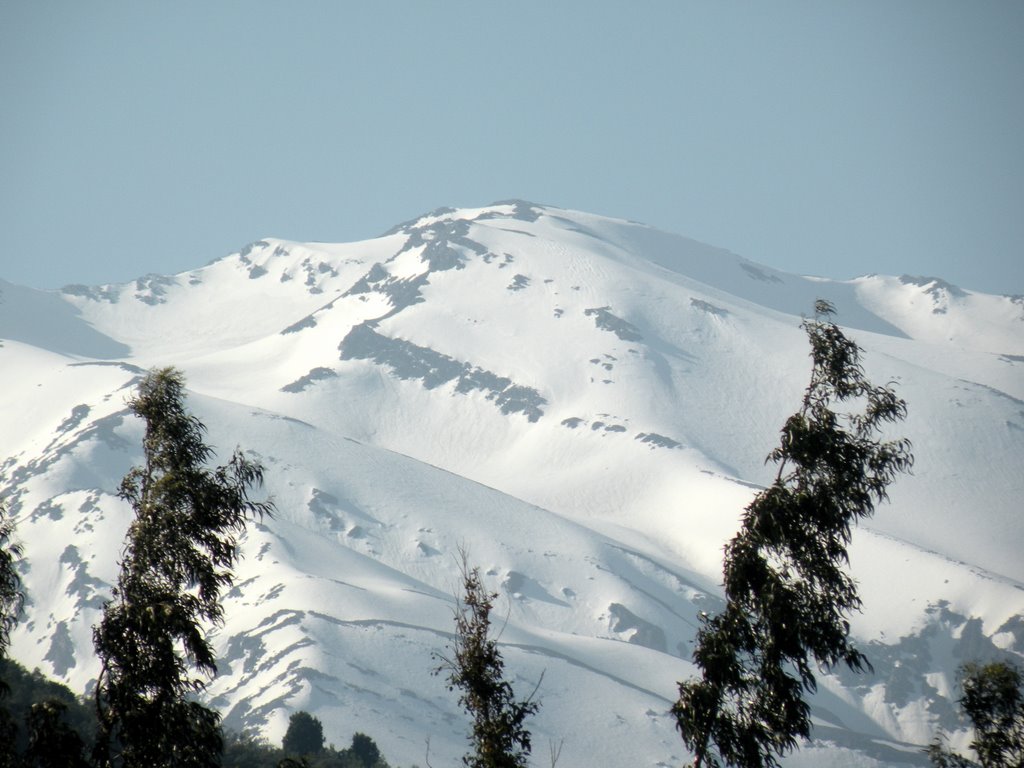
{"x": 584, "y": 401}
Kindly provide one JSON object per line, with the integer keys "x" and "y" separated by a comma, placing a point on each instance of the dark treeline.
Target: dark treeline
{"x": 66, "y": 739}
{"x": 27, "y": 690}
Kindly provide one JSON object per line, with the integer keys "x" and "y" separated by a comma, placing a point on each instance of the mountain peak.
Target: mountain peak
{"x": 585, "y": 402}
{"x": 521, "y": 210}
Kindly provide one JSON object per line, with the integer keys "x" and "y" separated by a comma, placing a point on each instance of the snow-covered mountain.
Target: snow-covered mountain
{"x": 585, "y": 404}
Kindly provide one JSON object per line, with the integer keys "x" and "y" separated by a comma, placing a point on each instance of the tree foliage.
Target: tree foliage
{"x": 304, "y": 748}
{"x": 176, "y": 562}
{"x": 12, "y": 597}
{"x": 365, "y": 750}
{"x": 787, "y": 591}
{"x": 993, "y": 700}
{"x": 499, "y": 736}
{"x": 25, "y": 724}
{"x": 305, "y": 735}
{"x": 52, "y": 742}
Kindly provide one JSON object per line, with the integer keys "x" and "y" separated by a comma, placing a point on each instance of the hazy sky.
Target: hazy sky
{"x": 831, "y": 138}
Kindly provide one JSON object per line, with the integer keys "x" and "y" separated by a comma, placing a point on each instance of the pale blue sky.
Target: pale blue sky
{"x": 831, "y": 138}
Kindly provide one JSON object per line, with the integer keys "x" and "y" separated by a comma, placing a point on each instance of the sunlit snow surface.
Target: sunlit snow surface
{"x": 585, "y": 405}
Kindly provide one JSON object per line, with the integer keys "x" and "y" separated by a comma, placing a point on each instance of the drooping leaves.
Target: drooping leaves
{"x": 176, "y": 562}
{"x": 788, "y": 594}
{"x": 12, "y": 596}
{"x": 499, "y": 736}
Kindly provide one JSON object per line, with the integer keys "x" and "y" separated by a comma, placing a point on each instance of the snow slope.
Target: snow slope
{"x": 585, "y": 404}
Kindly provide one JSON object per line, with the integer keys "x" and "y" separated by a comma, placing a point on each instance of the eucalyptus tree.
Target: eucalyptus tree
{"x": 788, "y": 594}
{"x": 499, "y": 736}
{"x": 12, "y": 596}
{"x": 177, "y": 561}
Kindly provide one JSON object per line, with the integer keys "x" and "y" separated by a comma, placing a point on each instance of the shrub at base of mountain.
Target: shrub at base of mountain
{"x": 305, "y": 735}
{"x": 52, "y": 743}
{"x": 993, "y": 700}
{"x": 303, "y": 747}
{"x": 50, "y": 727}
{"x": 39, "y": 713}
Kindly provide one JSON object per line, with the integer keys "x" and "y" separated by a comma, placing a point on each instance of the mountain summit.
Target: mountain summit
{"x": 585, "y": 404}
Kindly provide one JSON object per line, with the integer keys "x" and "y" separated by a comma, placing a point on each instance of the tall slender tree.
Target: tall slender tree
{"x": 12, "y": 596}
{"x": 177, "y": 560}
{"x": 499, "y": 737}
{"x": 787, "y": 592}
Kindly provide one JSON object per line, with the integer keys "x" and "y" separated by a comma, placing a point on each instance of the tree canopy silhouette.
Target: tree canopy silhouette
{"x": 12, "y": 596}
{"x": 993, "y": 700}
{"x": 499, "y": 736}
{"x": 787, "y": 592}
{"x": 305, "y": 735}
{"x": 177, "y": 560}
